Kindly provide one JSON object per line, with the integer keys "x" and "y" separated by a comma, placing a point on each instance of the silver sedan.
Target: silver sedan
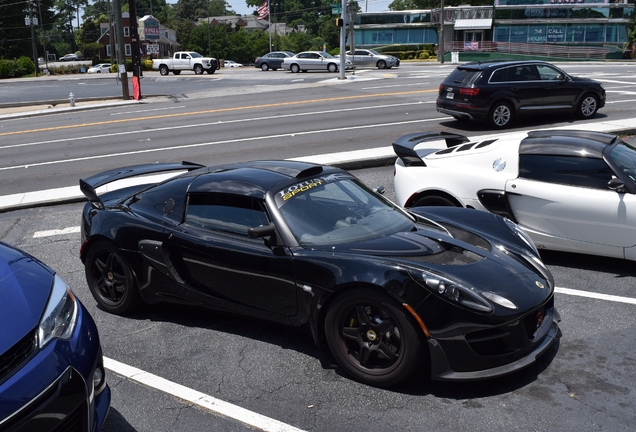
{"x": 313, "y": 60}
{"x": 372, "y": 58}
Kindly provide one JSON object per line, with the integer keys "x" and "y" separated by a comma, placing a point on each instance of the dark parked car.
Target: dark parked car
{"x": 389, "y": 291}
{"x": 272, "y": 60}
{"x": 52, "y": 374}
{"x": 497, "y": 91}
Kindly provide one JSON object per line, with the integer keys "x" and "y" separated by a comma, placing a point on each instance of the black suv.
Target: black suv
{"x": 498, "y": 90}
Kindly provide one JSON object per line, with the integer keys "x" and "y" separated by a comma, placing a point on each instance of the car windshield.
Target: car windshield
{"x": 337, "y": 209}
{"x": 624, "y": 158}
{"x": 195, "y": 55}
{"x": 326, "y": 55}
{"x": 374, "y": 52}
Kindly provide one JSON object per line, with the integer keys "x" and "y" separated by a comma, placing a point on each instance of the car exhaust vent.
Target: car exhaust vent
{"x": 465, "y": 147}
{"x": 467, "y": 236}
{"x": 484, "y": 144}
{"x": 453, "y": 255}
{"x": 446, "y": 151}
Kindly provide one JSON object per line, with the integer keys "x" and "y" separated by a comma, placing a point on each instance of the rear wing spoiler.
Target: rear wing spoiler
{"x": 89, "y": 185}
{"x": 404, "y": 146}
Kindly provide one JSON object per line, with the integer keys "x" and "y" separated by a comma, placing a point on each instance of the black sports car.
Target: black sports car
{"x": 460, "y": 291}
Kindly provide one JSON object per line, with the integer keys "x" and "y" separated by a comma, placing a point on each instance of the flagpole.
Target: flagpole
{"x": 269, "y": 26}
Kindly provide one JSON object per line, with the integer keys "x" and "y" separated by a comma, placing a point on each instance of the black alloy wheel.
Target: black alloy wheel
{"x": 110, "y": 279}
{"x": 372, "y": 338}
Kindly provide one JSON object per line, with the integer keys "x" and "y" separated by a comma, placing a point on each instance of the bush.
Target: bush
{"x": 25, "y": 64}
{"x": 146, "y": 64}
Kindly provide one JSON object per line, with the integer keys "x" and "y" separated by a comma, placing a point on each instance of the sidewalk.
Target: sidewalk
{"x": 359, "y": 159}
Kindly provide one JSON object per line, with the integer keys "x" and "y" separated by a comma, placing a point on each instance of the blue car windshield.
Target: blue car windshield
{"x": 337, "y": 209}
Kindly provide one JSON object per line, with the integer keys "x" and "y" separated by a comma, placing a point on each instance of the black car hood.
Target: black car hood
{"x": 25, "y": 286}
{"x": 475, "y": 263}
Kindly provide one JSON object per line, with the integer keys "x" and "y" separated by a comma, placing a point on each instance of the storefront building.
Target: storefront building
{"x": 559, "y": 22}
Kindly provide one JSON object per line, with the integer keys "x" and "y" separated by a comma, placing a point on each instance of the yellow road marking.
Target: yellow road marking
{"x": 219, "y": 110}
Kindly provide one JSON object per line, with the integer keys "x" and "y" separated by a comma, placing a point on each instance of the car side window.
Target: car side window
{"x": 549, "y": 73}
{"x": 225, "y": 212}
{"x": 566, "y": 170}
{"x": 500, "y": 75}
{"x": 305, "y": 55}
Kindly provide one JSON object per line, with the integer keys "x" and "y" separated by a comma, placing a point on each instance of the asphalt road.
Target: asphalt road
{"x": 586, "y": 382}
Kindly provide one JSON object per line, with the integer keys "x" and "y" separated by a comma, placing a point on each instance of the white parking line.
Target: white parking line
{"x": 54, "y": 232}
{"x": 594, "y": 295}
{"x": 202, "y": 400}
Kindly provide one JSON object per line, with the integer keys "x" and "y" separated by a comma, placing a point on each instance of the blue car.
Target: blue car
{"x": 52, "y": 373}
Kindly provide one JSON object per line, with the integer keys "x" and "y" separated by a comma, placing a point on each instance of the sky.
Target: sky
{"x": 366, "y": 5}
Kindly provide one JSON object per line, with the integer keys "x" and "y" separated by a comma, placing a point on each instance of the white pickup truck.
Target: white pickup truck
{"x": 186, "y": 60}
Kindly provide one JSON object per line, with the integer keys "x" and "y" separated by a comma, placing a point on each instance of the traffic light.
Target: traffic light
{"x": 339, "y": 22}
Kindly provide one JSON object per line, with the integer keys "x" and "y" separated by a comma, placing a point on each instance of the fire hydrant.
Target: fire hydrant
{"x": 71, "y": 98}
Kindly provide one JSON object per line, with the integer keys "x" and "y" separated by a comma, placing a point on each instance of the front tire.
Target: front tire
{"x": 372, "y": 337}
{"x": 163, "y": 70}
{"x": 381, "y": 64}
{"x": 264, "y": 67}
{"x": 500, "y": 115}
{"x": 587, "y": 107}
{"x": 198, "y": 69}
{"x": 110, "y": 279}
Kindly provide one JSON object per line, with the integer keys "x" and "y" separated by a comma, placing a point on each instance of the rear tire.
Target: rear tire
{"x": 110, "y": 278}
{"x": 373, "y": 338}
{"x": 434, "y": 200}
{"x": 500, "y": 115}
{"x": 332, "y": 67}
{"x": 294, "y": 68}
{"x": 163, "y": 70}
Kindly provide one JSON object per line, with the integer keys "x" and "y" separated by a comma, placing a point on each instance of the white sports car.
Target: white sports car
{"x": 572, "y": 191}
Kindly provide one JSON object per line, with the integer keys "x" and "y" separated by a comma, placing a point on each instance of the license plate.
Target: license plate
{"x": 450, "y": 95}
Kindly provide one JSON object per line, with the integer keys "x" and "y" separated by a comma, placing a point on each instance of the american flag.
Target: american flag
{"x": 263, "y": 10}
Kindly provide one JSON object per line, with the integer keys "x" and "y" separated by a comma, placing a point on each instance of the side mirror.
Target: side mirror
{"x": 379, "y": 190}
{"x": 617, "y": 185}
{"x": 261, "y": 231}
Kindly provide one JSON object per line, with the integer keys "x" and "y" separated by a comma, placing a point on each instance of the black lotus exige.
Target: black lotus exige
{"x": 460, "y": 291}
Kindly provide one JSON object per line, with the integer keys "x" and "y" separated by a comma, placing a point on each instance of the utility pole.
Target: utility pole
{"x": 121, "y": 49}
{"x": 440, "y": 46}
{"x": 35, "y": 50}
{"x": 343, "y": 33}
{"x": 134, "y": 47}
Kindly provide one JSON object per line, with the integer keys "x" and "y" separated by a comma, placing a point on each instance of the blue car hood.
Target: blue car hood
{"x": 25, "y": 286}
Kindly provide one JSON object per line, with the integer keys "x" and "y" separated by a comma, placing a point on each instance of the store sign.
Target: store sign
{"x": 151, "y": 29}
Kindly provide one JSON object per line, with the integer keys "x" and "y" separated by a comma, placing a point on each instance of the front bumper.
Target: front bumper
{"x": 442, "y": 370}
{"x": 54, "y": 389}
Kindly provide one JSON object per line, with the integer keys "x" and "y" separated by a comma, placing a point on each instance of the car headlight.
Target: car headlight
{"x": 60, "y": 314}
{"x": 519, "y": 232}
{"x": 452, "y": 290}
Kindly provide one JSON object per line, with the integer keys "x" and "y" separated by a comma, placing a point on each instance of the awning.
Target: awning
{"x": 473, "y": 24}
